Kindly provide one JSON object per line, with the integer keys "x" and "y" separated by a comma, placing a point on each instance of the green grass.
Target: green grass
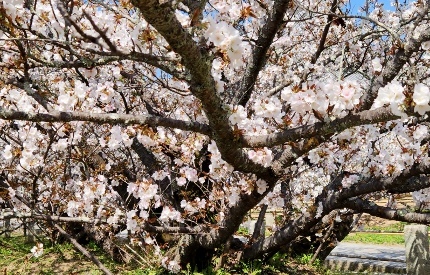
{"x": 395, "y": 227}
{"x": 242, "y": 231}
{"x": 372, "y": 238}
{"x": 279, "y": 264}
{"x": 16, "y": 258}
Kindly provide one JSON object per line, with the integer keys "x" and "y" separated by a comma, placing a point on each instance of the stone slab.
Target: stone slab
{"x": 417, "y": 249}
{"x": 364, "y": 265}
{"x": 395, "y": 253}
{"x": 368, "y": 258}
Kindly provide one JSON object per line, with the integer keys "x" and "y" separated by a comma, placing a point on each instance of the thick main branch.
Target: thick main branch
{"x": 199, "y": 63}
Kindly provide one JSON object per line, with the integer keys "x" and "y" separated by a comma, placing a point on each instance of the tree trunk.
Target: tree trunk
{"x": 310, "y": 244}
{"x": 339, "y": 232}
{"x": 189, "y": 252}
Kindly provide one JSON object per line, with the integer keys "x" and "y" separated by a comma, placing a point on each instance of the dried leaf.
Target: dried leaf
{"x": 195, "y": 17}
{"x": 318, "y": 115}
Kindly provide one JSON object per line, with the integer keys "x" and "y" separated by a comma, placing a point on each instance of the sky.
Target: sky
{"x": 356, "y": 4}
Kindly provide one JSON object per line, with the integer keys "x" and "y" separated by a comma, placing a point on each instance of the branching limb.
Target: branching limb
{"x": 413, "y": 184}
{"x": 393, "y": 67}
{"x": 373, "y": 209}
{"x": 323, "y": 39}
{"x": 198, "y": 62}
{"x": 147, "y": 227}
{"x": 326, "y": 235}
{"x": 32, "y": 92}
{"x": 393, "y": 34}
{"x": 81, "y": 60}
{"x": 258, "y": 58}
{"x": 260, "y": 222}
{"x": 113, "y": 119}
{"x": 320, "y": 128}
{"x": 334, "y": 200}
{"x": 415, "y": 177}
{"x": 279, "y": 88}
{"x": 16, "y": 215}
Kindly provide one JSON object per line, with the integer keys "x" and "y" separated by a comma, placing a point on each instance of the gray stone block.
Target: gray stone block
{"x": 270, "y": 219}
{"x": 417, "y": 250}
{"x": 250, "y": 226}
{"x": 367, "y": 266}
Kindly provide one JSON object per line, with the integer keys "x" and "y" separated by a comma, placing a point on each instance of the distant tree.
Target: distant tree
{"x": 174, "y": 119}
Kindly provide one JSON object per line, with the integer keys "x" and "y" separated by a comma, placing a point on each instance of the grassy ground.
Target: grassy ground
{"x": 378, "y": 231}
{"x": 386, "y": 227}
{"x": 16, "y": 258}
{"x": 375, "y": 238}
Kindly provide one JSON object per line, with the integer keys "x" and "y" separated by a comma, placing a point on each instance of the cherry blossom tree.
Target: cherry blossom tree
{"x": 178, "y": 118}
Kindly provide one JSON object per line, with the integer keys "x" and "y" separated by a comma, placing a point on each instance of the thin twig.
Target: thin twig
{"x": 83, "y": 250}
{"x": 327, "y": 234}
